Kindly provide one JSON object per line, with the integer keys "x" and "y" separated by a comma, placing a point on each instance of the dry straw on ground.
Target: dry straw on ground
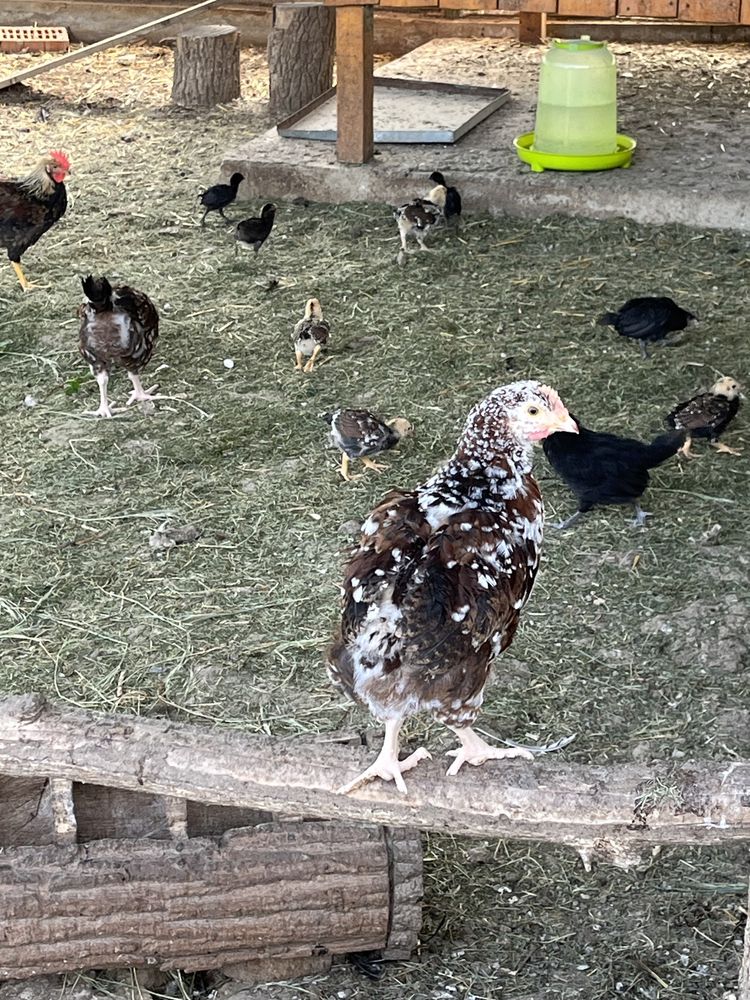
{"x": 634, "y": 639}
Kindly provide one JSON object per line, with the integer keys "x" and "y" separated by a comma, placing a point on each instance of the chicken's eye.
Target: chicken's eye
{"x": 533, "y": 410}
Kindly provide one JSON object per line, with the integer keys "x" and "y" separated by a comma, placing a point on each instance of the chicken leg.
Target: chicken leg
{"x": 475, "y": 751}
{"x": 105, "y": 410}
{"x": 311, "y": 363}
{"x": 24, "y": 281}
{"x": 639, "y": 520}
{"x": 387, "y": 765}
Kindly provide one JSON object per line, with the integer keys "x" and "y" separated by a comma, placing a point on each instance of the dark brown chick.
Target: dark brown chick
{"x": 119, "y": 327}
{"x": 362, "y": 434}
{"x": 707, "y": 415}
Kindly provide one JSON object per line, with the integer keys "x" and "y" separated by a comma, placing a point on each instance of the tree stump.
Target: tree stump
{"x": 300, "y": 56}
{"x": 206, "y": 66}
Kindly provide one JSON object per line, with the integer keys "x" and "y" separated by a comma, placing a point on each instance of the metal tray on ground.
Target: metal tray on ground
{"x": 404, "y": 111}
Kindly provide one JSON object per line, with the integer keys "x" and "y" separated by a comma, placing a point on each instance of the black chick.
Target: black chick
{"x": 707, "y": 415}
{"x": 649, "y": 318}
{"x": 254, "y": 232}
{"x": 446, "y": 198}
{"x": 606, "y": 469}
{"x": 362, "y": 434}
{"x": 218, "y": 197}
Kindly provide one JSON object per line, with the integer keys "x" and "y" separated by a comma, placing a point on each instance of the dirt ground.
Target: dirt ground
{"x": 636, "y": 640}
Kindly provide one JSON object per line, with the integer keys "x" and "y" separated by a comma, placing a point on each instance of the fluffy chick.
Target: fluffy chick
{"x": 606, "y": 469}
{"x": 445, "y": 197}
{"x": 649, "y": 318}
{"x": 707, "y": 415}
{"x": 219, "y": 196}
{"x": 362, "y": 434}
{"x": 416, "y": 219}
{"x": 310, "y": 335}
{"x": 253, "y": 233}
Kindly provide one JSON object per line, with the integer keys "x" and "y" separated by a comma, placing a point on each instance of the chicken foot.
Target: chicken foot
{"x": 105, "y": 410}
{"x": 639, "y": 521}
{"x": 569, "y": 521}
{"x": 475, "y": 751}
{"x": 344, "y": 470}
{"x": 724, "y": 449}
{"x": 387, "y": 765}
{"x": 139, "y": 394}
{"x": 375, "y": 466}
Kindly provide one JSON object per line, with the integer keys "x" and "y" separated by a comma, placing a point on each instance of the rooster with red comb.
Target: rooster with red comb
{"x": 434, "y": 591}
{"x": 32, "y": 205}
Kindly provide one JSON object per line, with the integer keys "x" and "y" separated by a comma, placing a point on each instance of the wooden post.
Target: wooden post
{"x": 744, "y": 993}
{"x": 354, "y": 85}
{"x": 532, "y": 27}
{"x": 207, "y": 66}
{"x": 300, "y": 56}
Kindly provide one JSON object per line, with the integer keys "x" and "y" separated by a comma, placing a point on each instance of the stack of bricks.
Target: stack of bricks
{"x": 34, "y": 39}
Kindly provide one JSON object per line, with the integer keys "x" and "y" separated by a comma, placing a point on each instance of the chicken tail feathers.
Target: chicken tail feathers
{"x": 663, "y": 447}
{"x": 98, "y": 291}
{"x": 607, "y": 319}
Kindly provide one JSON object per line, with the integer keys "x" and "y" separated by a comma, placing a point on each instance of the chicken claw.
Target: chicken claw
{"x": 388, "y": 767}
{"x": 139, "y": 394}
{"x": 375, "y": 466}
{"x": 475, "y": 751}
{"x": 724, "y": 449}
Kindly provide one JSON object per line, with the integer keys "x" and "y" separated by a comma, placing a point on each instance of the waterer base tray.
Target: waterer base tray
{"x": 554, "y": 161}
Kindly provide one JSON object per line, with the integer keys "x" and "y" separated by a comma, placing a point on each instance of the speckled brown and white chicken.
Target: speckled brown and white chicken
{"x": 119, "y": 328}
{"x": 417, "y": 219}
{"x": 435, "y": 588}
{"x": 361, "y": 434}
{"x": 310, "y": 336}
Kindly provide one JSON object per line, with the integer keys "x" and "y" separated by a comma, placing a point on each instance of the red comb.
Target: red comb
{"x": 62, "y": 160}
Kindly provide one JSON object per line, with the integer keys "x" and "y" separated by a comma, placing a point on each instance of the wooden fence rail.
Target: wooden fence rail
{"x": 615, "y": 811}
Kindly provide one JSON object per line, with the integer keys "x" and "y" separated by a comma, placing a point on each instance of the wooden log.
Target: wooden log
{"x": 300, "y": 56}
{"x": 291, "y": 891}
{"x": 532, "y": 27}
{"x": 615, "y": 809}
{"x": 354, "y": 84}
{"x": 206, "y": 66}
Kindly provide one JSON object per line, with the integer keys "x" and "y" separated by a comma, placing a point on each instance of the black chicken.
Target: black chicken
{"x": 446, "y": 198}
{"x": 31, "y": 206}
{"x": 254, "y": 232}
{"x": 648, "y": 319}
{"x": 707, "y": 415}
{"x": 606, "y": 469}
{"x": 119, "y": 326}
{"x": 219, "y": 196}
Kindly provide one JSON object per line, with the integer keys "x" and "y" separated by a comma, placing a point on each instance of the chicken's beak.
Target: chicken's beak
{"x": 563, "y": 422}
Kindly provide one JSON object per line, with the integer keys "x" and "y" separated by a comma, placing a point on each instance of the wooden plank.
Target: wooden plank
{"x": 408, "y": 3}
{"x": 710, "y": 11}
{"x": 647, "y": 8}
{"x": 532, "y": 27}
{"x": 354, "y": 86}
{"x": 745, "y": 12}
{"x": 538, "y": 6}
{"x": 618, "y": 809}
{"x": 587, "y": 8}
{"x": 105, "y": 43}
{"x": 468, "y": 4}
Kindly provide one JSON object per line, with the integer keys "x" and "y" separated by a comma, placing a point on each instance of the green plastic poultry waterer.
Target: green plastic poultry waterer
{"x": 539, "y": 161}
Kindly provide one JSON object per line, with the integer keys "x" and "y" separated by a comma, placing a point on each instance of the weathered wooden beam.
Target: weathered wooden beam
{"x": 354, "y": 84}
{"x": 612, "y": 809}
{"x": 105, "y": 43}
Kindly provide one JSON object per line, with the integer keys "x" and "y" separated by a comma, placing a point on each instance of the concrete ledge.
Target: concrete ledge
{"x": 693, "y": 171}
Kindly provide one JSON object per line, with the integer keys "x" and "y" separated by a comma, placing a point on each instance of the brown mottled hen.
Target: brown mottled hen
{"x": 119, "y": 326}
{"x": 435, "y": 589}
